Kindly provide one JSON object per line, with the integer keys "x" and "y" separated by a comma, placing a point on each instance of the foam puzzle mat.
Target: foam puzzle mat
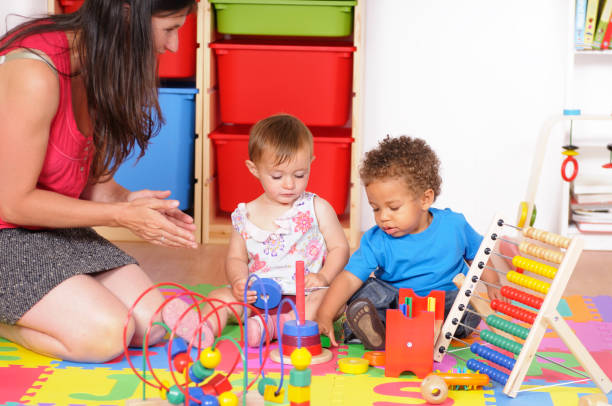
{"x": 27, "y": 378}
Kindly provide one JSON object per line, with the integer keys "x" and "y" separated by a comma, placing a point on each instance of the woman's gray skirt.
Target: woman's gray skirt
{"x": 32, "y": 262}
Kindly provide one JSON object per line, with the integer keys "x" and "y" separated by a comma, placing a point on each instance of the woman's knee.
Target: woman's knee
{"x": 102, "y": 339}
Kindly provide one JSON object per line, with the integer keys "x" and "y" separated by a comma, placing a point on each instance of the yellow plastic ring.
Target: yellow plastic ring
{"x": 353, "y": 365}
{"x": 523, "y": 208}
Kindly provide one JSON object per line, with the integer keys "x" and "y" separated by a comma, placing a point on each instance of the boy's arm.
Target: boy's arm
{"x": 490, "y": 276}
{"x": 337, "y": 245}
{"x": 236, "y": 268}
{"x": 341, "y": 289}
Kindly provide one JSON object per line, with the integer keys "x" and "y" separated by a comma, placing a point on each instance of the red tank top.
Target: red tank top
{"x": 69, "y": 153}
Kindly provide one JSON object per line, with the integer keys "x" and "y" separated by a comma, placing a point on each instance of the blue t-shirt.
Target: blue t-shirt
{"x": 425, "y": 261}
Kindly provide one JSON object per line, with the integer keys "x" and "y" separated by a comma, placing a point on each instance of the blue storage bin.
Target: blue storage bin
{"x": 169, "y": 160}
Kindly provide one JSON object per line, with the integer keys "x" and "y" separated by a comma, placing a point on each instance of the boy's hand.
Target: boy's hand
{"x": 315, "y": 280}
{"x": 327, "y": 327}
{"x": 495, "y": 294}
{"x": 238, "y": 291}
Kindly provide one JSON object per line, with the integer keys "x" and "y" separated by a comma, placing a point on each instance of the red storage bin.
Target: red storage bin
{"x": 311, "y": 80}
{"x": 70, "y": 6}
{"x": 182, "y": 63}
{"x": 329, "y": 173}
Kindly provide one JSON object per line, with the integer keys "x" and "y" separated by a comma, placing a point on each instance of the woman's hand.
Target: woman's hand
{"x": 238, "y": 291}
{"x": 156, "y": 220}
{"x": 174, "y": 215}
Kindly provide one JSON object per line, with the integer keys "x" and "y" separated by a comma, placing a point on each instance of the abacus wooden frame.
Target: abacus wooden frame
{"x": 546, "y": 317}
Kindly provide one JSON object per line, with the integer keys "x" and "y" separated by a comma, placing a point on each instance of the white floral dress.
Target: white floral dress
{"x": 273, "y": 254}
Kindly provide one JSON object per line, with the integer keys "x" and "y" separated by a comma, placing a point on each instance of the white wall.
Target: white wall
{"x": 12, "y": 10}
{"x": 476, "y": 79}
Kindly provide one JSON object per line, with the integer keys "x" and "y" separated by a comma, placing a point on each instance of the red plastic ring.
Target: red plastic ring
{"x": 572, "y": 160}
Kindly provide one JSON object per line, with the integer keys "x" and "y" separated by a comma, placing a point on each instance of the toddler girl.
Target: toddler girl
{"x": 283, "y": 225}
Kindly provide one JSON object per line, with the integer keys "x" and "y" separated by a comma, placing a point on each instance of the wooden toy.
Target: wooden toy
{"x": 410, "y": 351}
{"x": 353, "y": 365}
{"x": 434, "y": 390}
{"x": 375, "y": 358}
{"x": 544, "y": 315}
{"x": 300, "y": 332}
{"x": 593, "y": 400}
{"x": 435, "y": 386}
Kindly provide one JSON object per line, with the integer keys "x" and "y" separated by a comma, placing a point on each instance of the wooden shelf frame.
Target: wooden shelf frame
{"x": 216, "y": 228}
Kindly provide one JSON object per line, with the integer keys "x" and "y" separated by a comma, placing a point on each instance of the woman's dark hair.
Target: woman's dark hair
{"x": 118, "y": 65}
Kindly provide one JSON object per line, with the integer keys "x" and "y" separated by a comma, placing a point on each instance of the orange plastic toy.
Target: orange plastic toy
{"x": 410, "y": 340}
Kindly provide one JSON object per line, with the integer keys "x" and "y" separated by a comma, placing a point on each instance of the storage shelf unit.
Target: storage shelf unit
{"x": 213, "y": 226}
{"x": 216, "y": 225}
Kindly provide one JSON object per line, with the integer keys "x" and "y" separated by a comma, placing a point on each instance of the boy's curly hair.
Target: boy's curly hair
{"x": 409, "y": 159}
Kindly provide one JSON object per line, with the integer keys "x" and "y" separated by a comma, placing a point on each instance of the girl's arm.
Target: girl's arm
{"x": 341, "y": 289}
{"x": 29, "y": 97}
{"x": 337, "y": 245}
{"x": 236, "y": 268}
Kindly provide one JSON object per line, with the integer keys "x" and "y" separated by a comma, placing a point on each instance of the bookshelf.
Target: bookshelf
{"x": 215, "y": 225}
{"x": 585, "y": 84}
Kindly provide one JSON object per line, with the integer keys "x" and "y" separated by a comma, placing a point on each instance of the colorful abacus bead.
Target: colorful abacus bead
{"x": 541, "y": 252}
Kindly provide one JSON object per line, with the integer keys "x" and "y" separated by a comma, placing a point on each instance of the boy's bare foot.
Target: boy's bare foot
{"x": 366, "y": 325}
{"x": 171, "y": 313}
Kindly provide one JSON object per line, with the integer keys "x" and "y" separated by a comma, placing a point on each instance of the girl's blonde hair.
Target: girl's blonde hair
{"x": 283, "y": 133}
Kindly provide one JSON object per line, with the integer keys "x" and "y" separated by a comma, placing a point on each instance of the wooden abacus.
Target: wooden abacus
{"x": 565, "y": 253}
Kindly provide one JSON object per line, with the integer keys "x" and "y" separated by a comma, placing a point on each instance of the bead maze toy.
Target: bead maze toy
{"x": 561, "y": 251}
{"x": 417, "y": 316}
{"x": 192, "y": 368}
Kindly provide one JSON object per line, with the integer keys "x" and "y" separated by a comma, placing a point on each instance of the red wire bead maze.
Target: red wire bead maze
{"x": 409, "y": 340}
{"x": 198, "y": 370}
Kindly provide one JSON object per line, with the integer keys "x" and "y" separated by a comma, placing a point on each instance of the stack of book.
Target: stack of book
{"x": 591, "y": 209}
{"x": 593, "y": 25}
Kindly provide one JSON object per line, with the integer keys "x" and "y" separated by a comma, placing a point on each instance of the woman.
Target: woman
{"x": 77, "y": 92}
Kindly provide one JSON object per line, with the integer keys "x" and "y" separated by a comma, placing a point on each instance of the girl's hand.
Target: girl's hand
{"x": 315, "y": 280}
{"x": 146, "y": 217}
{"x": 238, "y": 291}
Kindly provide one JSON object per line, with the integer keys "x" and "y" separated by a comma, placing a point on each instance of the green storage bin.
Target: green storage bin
{"x": 304, "y": 18}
